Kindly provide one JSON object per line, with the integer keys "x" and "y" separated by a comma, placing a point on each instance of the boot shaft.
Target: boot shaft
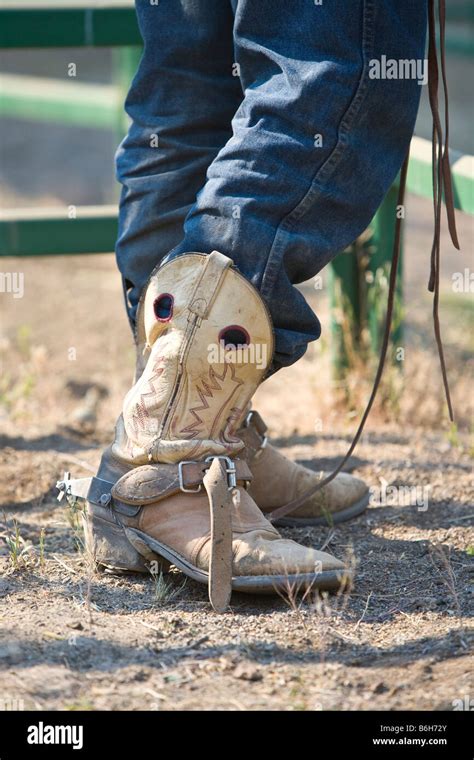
{"x": 205, "y": 343}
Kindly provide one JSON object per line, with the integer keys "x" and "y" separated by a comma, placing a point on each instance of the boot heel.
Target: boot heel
{"x": 110, "y": 549}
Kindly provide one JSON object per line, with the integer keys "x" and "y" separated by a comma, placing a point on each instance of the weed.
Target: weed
{"x": 19, "y": 552}
{"x": 23, "y": 340}
{"x": 74, "y": 519}
{"x": 41, "y": 548}
{"x": 453, "y": 435}
{"x": 164, "y": 590}
{"x": 442, "y": 563}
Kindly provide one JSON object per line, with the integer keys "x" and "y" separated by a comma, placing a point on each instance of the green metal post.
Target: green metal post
{"x": 358, "y": 287}
{"x": 378, "y": 267}
{"x": 343, "y": 282}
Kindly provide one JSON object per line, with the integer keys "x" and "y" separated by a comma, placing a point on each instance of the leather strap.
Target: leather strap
{"x": 209, "y": 283}
{"x": 441, "y": 182}
{"x": 146, "y": 484}
{"x": 253, "y": 434}
{"x": 286, "y": 509}
{"x": 220, "y": 507}
{"x": 153, "y": 482}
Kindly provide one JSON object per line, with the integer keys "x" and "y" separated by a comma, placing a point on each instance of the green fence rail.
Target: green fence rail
{"x": 79, "y": 23}
{"x": 111, "y": 23}
{"x": 68, "y": 23}
{"x": 98, "y": 106}
{"x": 92, "y": 229}
{"x": 58, "y": 231}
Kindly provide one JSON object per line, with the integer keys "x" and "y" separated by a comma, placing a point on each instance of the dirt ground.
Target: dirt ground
{"x": 72, "y": 639}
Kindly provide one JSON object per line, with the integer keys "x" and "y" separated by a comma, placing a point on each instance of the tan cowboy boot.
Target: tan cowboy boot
{"x": 172, "y": 486}
{"x": 278, "y": 480}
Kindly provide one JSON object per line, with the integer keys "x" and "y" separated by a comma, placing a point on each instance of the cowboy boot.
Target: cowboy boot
{"x": 173, "y": 487}
{"x": 278, "y": 480}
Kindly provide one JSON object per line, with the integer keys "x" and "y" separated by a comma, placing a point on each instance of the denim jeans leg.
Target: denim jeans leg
{"x": 181, "y": 104}
{"x": 316, "y": 144}
{"x": 295, "y": 169}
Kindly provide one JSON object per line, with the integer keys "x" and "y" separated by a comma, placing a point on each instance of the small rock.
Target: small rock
{"x": 77, "y": 625}
{"x": 247, "y": 672}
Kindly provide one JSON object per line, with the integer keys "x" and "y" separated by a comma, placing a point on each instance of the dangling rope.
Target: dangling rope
{"x": 441, "y": 183}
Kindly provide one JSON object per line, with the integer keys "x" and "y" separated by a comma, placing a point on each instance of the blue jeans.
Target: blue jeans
{"x": 258, "y": 130}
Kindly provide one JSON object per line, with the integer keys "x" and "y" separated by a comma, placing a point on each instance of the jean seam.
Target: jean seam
{"x": 326, "y": 170}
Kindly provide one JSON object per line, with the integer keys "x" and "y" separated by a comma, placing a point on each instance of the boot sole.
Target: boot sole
{"x": 250, "y": 584}
{"x": 332, "y": 518}
{"x": 120, "y": 551}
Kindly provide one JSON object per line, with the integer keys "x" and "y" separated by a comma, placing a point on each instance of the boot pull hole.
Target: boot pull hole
{"x": 163, "y": 307}
{"x": 235, "y": 336}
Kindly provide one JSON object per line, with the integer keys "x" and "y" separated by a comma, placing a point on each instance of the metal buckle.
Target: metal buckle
{"x": 181, "y": 483}
{"x": 230, "y": 469}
